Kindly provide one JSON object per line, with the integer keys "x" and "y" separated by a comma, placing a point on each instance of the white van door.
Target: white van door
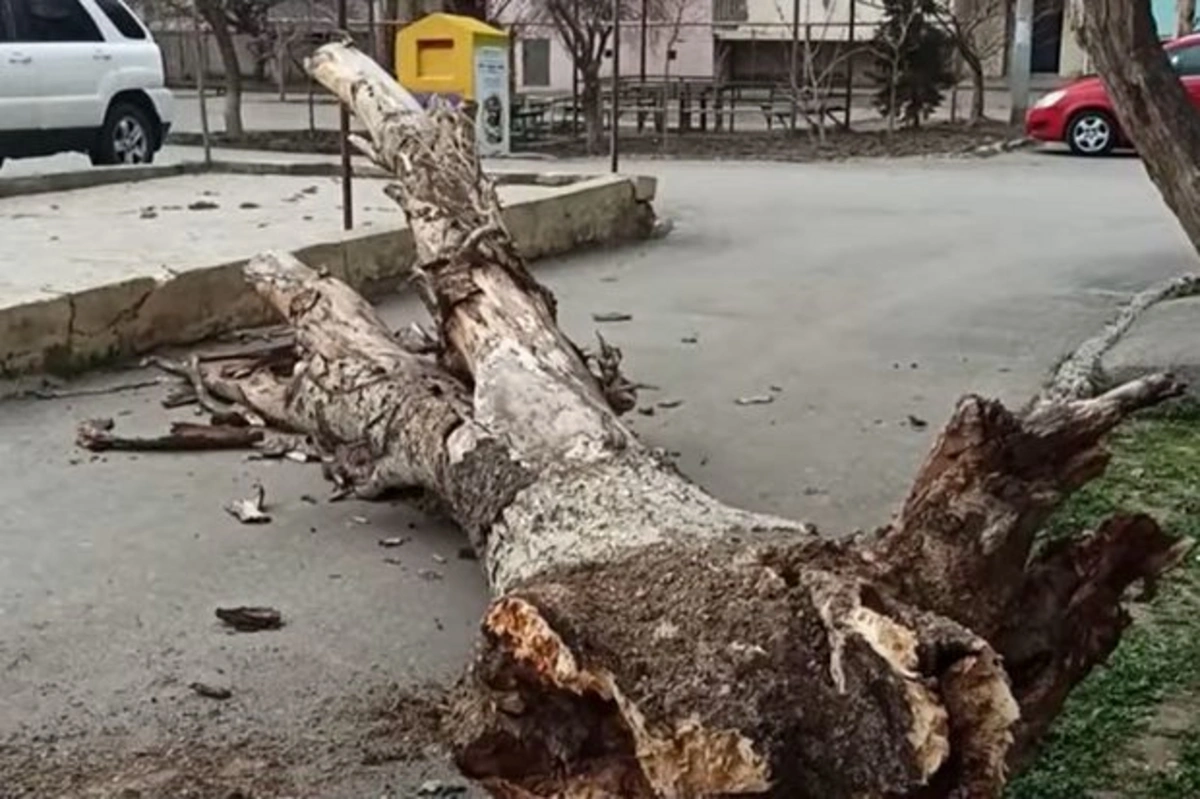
{"x": 71, "y": 60}
{"x": 18, "y": 81}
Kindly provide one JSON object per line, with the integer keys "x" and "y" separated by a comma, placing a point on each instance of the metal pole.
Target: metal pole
{"x": 1019, "y": 64}
{"x": 575, "y": 81}
{"x": 795, "y": 83}
{"x": 641, "y": 117}
{"x": 344, "y": 126}
{"x": 372, "y": 38}
{"x": 615, "y": 143}
{"x": 642, "y": 66}
{"x": 850, "y": 67}
{"x": 201, "y": 68}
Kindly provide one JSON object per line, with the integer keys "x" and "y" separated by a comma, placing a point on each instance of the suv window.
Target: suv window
{"x": 1186, "y": 60}
{"x": 124, "y": 21}
{"x": 55, "y": 21}
{"x": 8, "y": 31}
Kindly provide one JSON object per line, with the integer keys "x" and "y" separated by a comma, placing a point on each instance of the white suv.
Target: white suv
{"x": 80, "y": 75}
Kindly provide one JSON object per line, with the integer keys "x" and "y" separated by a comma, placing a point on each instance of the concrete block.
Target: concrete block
{"x": 130, "y": 316}
{"x": 34, "y": 335}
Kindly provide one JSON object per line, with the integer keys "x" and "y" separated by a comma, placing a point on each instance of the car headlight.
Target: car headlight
{"x": 1051, "y": 99}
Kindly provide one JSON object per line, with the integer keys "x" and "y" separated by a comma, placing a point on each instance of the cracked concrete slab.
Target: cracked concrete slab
{"x": 1165, "y": 339}
{"x": 92, "y": 274}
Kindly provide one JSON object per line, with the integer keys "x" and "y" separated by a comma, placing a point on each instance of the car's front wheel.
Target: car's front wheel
{"x": 126, "y": 138}
{"x": 1092, "y": 133}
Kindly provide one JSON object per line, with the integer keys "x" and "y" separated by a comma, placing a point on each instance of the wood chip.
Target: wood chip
{"x": 393, "y": 561}
{"x": 252, "y": 509}
{"x": 647, "y": 410}
{"x": 251, "y": 619}
{"x": 429, "y": 574}
{"x": 670, "y": 403}
{"x": 757, "y": 399}
{"x": 439, "y": 559}
{"x": 917, "y": 422}
{"x": 395, "y": 541}
{"x": 211, "y": 691}
{"x": 612, "y": 316}
{"x": 360, "y": 520}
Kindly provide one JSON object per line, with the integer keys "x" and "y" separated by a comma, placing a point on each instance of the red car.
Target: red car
{"x": 1081, "y": 114}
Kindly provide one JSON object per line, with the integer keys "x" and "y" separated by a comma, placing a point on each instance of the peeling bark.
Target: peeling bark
{"x": 645, "y": 639}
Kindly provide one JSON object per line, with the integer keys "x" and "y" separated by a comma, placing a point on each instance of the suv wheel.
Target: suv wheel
{"x": 126, "y": 138}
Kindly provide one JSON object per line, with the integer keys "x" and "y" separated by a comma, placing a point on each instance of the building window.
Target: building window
{"x": 535, "y": 62}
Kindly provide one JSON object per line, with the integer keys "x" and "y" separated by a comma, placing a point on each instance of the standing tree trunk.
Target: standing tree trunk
{"x": 1154, "y": 109}
{"x": 646, "y": 640}
{"x": 1185, "y": 17}
{"x": 214, "y": 14}
{"x": 978, "y": 85}
{"x": 593, "y": 107}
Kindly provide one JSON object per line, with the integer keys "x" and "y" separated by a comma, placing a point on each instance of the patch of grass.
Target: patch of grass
{"x": 1156, "y": 469}
{"x": 1181, "y": 782}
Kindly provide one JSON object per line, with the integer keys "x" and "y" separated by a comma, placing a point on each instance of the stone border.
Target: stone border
{"x": 74, "y": 331}
{"x": 105, "y": 176}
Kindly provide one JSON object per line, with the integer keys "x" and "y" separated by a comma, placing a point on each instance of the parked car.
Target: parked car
{"x": 1082, "y": 115}
{"x": 80, "y": 75}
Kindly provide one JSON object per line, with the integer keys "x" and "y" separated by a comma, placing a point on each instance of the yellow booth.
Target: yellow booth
{"x": 462, "y": 59}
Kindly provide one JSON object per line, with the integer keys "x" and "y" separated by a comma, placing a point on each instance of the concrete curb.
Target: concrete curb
{"x": 70, "y": 181}
{"x": 75, "y": 331}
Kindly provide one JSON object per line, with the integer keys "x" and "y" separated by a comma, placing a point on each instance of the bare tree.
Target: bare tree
{"x": 225, "y": 18}
{"x": 667, "y": 20}
{"x": 585, "y": 28}
{"x": 811, "y": 75}
{"x": 978, "y": 31}
{"x": 645, "y": 639}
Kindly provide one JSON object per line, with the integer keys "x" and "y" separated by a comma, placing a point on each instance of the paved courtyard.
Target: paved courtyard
{"x": 867, "y": 294}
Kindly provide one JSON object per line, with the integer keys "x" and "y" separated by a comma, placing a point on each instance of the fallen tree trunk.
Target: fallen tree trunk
{"x": 645, "y": 639}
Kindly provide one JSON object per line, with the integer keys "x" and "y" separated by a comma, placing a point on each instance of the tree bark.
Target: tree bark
{"x": 592, "y": 98}
{"x": 1185, "y": 17}
{"x": 978, "y": 87}
{"x": 645, "y": 639}
{"x": 1151, "y": 102}
{"x": 214, "y": 15}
